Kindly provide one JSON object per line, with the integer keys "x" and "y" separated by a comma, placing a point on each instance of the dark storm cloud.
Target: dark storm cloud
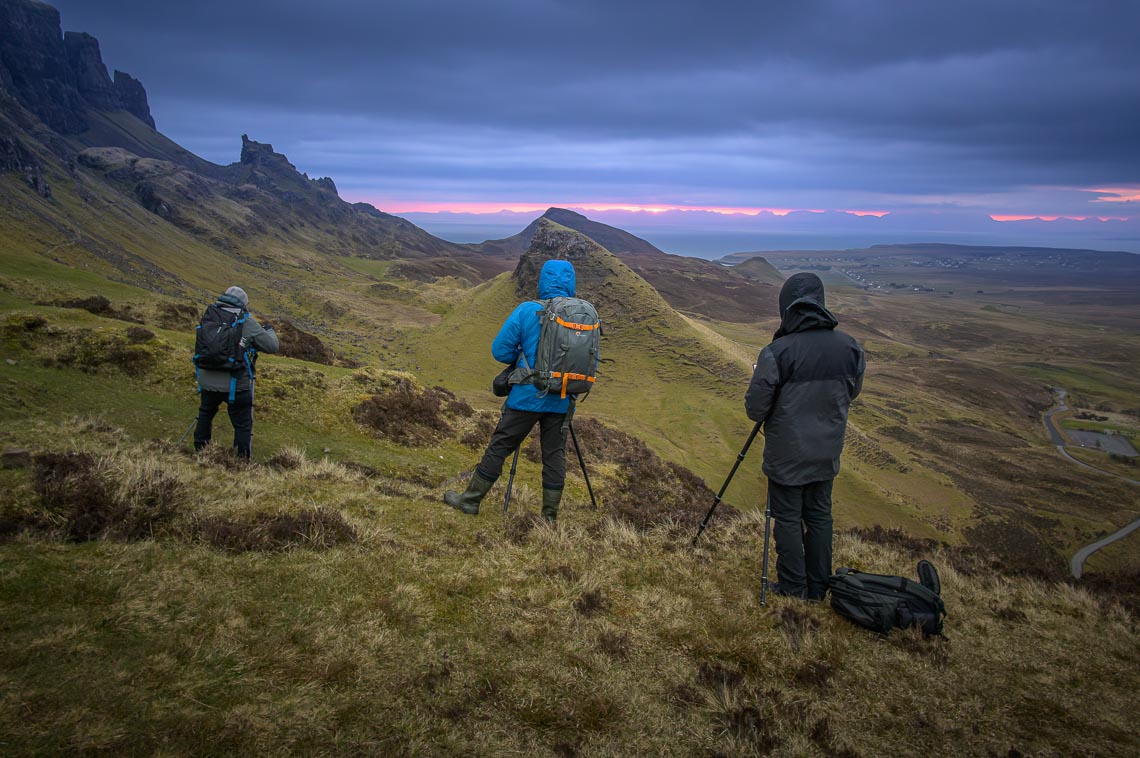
{"x": 682, "y": 97}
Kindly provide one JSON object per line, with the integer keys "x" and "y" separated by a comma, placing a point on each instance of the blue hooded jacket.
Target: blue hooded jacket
{"x": 520, "y": 331}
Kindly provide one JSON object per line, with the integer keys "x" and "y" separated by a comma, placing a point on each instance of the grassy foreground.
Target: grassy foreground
{"x": 306, "y": 606}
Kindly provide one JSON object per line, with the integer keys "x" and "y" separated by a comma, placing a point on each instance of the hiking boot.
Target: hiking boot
{"x": 776, "y": 588}
{"x": 468, "y": 501}
{"x": 550, "y": 501}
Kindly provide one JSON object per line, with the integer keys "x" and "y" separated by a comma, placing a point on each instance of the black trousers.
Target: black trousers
{"x": 803, "y": 537}
{"x": 513, "y": 428}
{"x": 241, "y": 416}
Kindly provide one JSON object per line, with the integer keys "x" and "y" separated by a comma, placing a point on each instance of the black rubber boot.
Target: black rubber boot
{"x": 550, "y": 501}
{"x": 469, "y": 500}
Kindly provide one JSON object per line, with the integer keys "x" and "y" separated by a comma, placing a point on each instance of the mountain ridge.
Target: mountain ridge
{"x": 617, "y": 241}
{"x": 690, "y": 285}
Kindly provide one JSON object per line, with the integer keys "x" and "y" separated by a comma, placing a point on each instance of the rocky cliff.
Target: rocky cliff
{"x": 60, "y": 77}
{"x": 133, "y": 98}
{"x": 84, "y": 141}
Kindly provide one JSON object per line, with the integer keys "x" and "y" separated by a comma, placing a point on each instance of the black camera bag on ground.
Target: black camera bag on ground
{"x": 881, "y": 603}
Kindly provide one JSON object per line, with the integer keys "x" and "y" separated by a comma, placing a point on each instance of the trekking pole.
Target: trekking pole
{"x": 767, "y": 531}
{"x": 183, "y": 437}
{"x": 723, "y": 487}
{"x": 511, "y": 480}
{"x": 578, "y": 450}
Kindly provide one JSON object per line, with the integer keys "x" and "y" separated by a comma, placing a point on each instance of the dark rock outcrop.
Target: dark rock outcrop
{"x": 132, "y": 95}
{"x": 59, "y": 77}
{"x": 91, "y": 78}
{"x": 15, "y": 156}
{"x": 269, "y": 170}
{"x": 35, "y": 63}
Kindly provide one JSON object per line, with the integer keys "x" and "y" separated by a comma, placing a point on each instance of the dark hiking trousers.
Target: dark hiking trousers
{"x": 803, "y": 537}
{"x": 513, "y": 428}
{"x": 241, "y": 416}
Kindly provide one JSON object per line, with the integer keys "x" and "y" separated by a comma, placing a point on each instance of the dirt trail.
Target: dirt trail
{"x": 1077, "y": 564}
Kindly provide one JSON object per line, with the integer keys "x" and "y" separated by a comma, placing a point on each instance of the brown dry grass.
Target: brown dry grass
{"x": 407, "y": 629}
{"x": 412, "y": 415}
{"x": 632, "y": 482}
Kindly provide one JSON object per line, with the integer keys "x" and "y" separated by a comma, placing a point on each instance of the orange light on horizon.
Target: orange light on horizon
{"x": 479, "y": 208}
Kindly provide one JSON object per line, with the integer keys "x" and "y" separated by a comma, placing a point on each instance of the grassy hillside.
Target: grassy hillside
{"x": 308, "y": 606}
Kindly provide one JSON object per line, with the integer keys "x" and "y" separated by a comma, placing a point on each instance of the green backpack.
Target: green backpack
{"x": 568, "y": 348}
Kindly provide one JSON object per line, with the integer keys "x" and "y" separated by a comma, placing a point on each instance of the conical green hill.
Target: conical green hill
{"x": 760, "y": 269}
{"x": 662, "y": 377}
{"x": 634, "y": 315}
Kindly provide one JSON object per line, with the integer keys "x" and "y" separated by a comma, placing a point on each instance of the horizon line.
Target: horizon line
{"x": 491, "y": 208}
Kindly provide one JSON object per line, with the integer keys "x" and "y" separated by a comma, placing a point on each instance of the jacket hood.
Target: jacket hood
{"x": 557, "y": 279}
{"x": 802, "y": 305}
{"x": 229, "y": 301}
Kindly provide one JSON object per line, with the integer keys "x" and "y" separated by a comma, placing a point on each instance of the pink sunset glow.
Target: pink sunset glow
{"x": 396, "y": 206}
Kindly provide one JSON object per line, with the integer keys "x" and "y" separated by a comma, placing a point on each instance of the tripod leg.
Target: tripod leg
{"x": 732, "y": 473}
{"x": 511, "y": 480}
{"x": 582, "y": 463}
{"x": 181, "y": 439}
{"x": 767, "y": 531}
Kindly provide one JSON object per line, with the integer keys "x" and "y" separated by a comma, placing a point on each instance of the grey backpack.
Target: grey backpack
{"x": 568, "y": 347}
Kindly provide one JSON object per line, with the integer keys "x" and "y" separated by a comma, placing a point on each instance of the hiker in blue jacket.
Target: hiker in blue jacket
{"x": 517, "y": 341}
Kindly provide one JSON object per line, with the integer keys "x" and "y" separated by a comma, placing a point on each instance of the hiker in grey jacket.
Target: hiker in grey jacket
{"x": 802, "y": 387}
{"x": 234, "y": 388}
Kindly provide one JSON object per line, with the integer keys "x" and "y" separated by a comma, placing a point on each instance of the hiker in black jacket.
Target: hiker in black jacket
{"x": 801, "y": 389}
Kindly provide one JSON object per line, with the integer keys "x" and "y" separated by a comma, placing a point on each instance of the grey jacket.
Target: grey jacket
{"x": 253, "y": 335}
{"x": 803, "y": 386}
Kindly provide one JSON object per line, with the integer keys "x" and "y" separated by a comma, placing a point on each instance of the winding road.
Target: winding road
{"x": 1077, "y": 565}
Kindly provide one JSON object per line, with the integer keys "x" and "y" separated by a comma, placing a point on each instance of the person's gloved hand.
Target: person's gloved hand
{"x": 267, "y": 327}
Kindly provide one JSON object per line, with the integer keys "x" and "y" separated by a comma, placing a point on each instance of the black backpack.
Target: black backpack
{"x": 219, "y": 346}
{"x": 881, "y": 603}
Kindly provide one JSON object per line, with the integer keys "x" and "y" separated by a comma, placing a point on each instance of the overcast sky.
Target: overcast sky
{"x": 1000, "y": 108}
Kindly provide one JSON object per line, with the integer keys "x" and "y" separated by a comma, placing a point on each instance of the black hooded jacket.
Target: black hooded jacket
{"x": 803, "y": 385}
